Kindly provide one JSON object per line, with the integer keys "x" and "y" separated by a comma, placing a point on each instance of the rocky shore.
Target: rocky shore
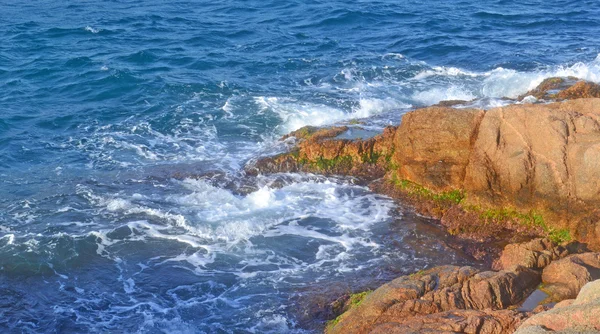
{"x": 519, "y": 185}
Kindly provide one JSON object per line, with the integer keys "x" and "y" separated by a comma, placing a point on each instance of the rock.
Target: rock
{"x": 535, "y": 254}
{"x": 540, "y": 157}
{"x": 441, "y": 289}
{"x": 435, "y": 154}
{"x": 316, "y": 133}
{"x": 550, "y": 86}
{"x": 590, "y": 293}
{"x": 581, "y": 316}
{"x": 564, "y": 278}
{"x": 456, "y": 321}
{"x": 580, "y": 90}
{"x": 362, "y": 317}
{"x": 450, "y": 103}
{"x": 567, "y": 302}
{"x": 318, "y": 150}
{"x": 559, "y": 88}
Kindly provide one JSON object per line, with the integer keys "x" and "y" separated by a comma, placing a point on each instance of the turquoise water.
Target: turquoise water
{"x": 125, "y": 126}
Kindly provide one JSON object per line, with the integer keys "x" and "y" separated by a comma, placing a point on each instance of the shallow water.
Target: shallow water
{"x": 124, "y": 127}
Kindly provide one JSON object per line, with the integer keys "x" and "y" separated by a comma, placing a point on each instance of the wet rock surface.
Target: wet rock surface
{"x": 564, "y": 89}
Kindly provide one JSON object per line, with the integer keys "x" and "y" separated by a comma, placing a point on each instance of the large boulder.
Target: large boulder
{"x": 527, "y": 154}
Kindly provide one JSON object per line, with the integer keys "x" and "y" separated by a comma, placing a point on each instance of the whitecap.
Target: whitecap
{"x": 92, "y": 30}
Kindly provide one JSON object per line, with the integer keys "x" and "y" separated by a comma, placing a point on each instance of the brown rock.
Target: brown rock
{"x": 564, "y": 303}
{"x": 541, "y": 157}
{"x": 534, "y": 158}
{"x": 580, "y": 90}
{"x": 535, "y": 254}
{"x": 433, "y": 145}
{"x": 450, "y": 103}
{"x": 579, "y": 317}
{"x": 456, "y": 321}
{"x": 441, "y": 289}
{"x": 564, "y": 278}
{"x": 316, "y": 133}
{"x": 564, "y": 89}
{"x": 550, "y": 86}
{"x": 362, "y": 317}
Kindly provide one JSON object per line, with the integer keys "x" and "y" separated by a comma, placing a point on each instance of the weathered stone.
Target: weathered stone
{"x": 456, "y": 321}
{"x": 433, "y": 145}
{"x": 564, "y": 278}
{"x": 581, "y": 316}
{"x": 580, "y": 90}
{"x": 535, "y": 254}
{"x": 550, "y": 86}
{"x": 541, "y": 158}
{"x": 362, "y": 317}
{"x": 441, "y": 289}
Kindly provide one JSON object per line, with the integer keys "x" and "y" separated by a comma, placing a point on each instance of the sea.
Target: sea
{"x": 125, "y": 127}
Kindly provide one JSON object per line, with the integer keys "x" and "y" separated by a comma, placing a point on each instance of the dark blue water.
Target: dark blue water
{"x": 125, "y": 125}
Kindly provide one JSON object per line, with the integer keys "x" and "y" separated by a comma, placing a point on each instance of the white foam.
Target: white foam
{"x": 444, "y": 71}
{"x": 435, "y": 95}
{"x": 295, "y": 115}
{"x": 435, "y": 84}
{"x": 502, "y": 82}
{"x": 92, "y": 30}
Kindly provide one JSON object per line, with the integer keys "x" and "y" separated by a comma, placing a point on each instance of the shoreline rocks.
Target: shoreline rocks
{"x": 451, "y": 299}
{"x": 497, "y": 179}
{"x": 530, "y": 169}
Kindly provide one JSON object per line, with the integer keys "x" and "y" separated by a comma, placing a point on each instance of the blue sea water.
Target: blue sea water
{"x": 125, "y": 126}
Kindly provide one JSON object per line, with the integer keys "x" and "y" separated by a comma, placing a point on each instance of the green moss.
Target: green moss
{"x": 328, "y": 164}
{"x": 417, "y": 274}
{"x": 370, "y": 157}
{"x": 357, "y": 298}
{"x": 531, "y": 218}
{"x": 453, "y": 196}
{"x": 332, "y": 323}
{"x": 559, "y": 236}
{"x": 354, "y": 300}
{"x": 354, "y": 122}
